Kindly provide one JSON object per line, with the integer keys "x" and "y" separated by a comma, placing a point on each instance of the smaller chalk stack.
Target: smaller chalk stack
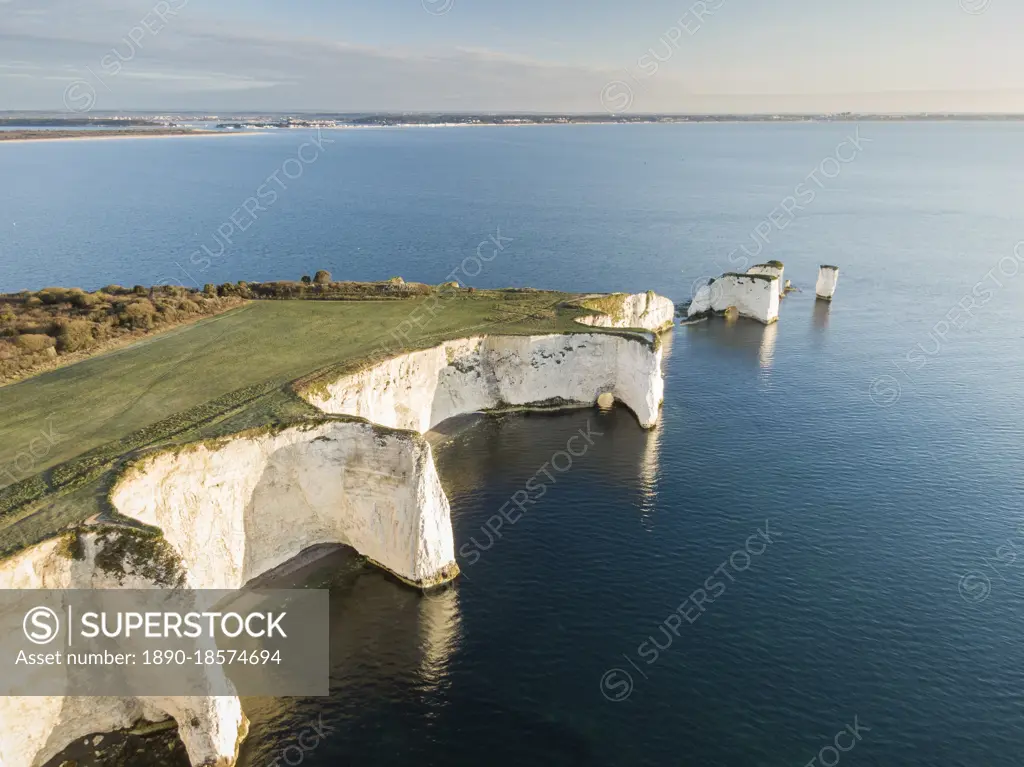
{"x": 828, "y": 276}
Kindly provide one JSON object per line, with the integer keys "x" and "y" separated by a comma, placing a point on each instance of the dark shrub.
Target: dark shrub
{"x": 138, "y": 315}
{"x": 82, "y": 300}
{"x": 74, "y": 335}
{"x": 52, "y": 296}
{"x": 34, "y": 343}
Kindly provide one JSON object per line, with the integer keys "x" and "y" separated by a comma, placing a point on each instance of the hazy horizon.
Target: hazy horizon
{"x": 704, "y": 57}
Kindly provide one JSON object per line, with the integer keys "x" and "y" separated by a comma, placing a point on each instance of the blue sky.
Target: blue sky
{"x": 526, "y": 55}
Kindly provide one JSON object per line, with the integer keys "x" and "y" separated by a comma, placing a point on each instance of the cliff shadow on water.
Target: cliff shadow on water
{"x": 407, "y": 668}
{"x": 510, "y": 449}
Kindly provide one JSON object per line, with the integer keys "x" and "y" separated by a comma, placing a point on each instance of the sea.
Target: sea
{"x": 812, "y": 559}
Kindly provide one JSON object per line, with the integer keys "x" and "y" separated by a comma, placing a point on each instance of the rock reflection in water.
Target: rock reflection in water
{"x": 752, "y": 341}
{"x": 822, "y": 309}
{"x": 395, "y": 694}
{"x": 387, "y": 641}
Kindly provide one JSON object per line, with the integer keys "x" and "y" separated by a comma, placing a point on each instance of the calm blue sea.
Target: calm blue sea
{"x": 815, "y": 557}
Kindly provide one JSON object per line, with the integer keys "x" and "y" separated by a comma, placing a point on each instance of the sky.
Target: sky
{"x": 737, "y": 56}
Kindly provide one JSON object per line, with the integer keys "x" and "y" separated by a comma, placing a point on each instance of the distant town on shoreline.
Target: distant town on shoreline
{"x": 272, "y": 120}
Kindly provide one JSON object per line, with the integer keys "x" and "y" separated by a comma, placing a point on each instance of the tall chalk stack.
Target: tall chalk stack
{"x": 828, "y": 276}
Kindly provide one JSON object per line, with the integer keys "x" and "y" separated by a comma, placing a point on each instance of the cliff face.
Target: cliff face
{"x": 35, "y": 729}
{"x": 753, "y": 296}
{"x": 648, "y": 311}
{"x": 220, "y": 505}
{"x": 419, "y": 390}
{"x": 367, "y": 485}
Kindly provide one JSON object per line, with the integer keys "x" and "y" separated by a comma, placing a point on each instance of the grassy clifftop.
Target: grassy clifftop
{"x": 67, "y": 430}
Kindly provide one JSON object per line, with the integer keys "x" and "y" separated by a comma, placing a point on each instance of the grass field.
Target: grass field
{"x": 64, "y": 431}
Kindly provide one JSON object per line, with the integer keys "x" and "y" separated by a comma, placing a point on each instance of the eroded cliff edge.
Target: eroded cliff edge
{"x": 370, "y": 484}
{"x": 623, "y": 310}
{"x": 420, "y": 389}
{"x": 35, "y": 729}
{"x": 369, "y": 487}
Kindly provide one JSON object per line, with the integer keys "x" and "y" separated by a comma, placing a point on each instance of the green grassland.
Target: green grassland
{"x": 221, "y": 375}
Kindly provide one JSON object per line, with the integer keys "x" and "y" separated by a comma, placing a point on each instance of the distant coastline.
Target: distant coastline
{"x": 447, "y": 120}
{"x": 23, "y": 130}
{"x": 12, "y": 136}
{"x": 23, "y": 126}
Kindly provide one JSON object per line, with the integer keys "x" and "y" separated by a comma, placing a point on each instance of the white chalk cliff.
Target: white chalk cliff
{"x": 35, "y": 729}
{"x": 828, "y": 277}
{"x": 369, "y": 484}
{"x": 753, "y": 296}
{"x": 418, "y": 390}
{"x": 647, "y": 311}
{"x": 371, "y": 488}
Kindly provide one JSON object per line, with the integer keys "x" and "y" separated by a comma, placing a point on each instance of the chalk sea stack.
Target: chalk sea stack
{"x": 755, "y": 296}
{"x": 828, "y": 276}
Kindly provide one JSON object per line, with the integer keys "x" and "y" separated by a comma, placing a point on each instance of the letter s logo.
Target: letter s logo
{"x": 41, "y": 625}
